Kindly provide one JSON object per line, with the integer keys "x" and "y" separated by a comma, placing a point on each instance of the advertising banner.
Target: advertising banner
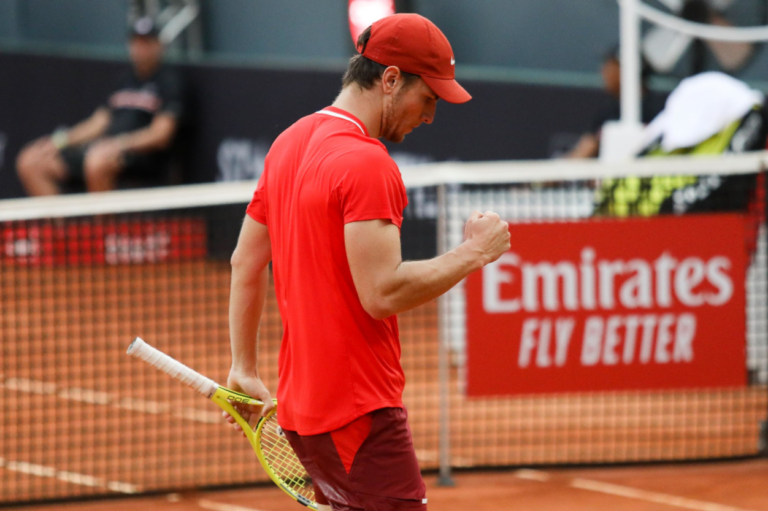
{"x": 605, "y": 304}
{"x": 96, "y": 242}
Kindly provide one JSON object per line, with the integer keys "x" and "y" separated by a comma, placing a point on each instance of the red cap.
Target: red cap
{"x": 415, "y": 45}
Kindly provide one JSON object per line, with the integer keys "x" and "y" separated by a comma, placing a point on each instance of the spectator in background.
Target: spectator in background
{"x": 131, "y": 135}
{"x": 589, "y": 143}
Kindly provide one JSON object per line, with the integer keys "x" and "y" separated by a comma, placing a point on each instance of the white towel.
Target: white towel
{"x": 699, "y": 107}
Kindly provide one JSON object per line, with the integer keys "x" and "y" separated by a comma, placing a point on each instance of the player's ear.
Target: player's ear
{"x": 389, "y": 79}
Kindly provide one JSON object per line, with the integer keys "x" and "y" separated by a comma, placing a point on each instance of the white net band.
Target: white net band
{"x": 494, "y": 172}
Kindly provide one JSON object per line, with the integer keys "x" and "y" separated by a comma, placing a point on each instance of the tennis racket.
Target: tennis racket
{"x": 267, "y": 439}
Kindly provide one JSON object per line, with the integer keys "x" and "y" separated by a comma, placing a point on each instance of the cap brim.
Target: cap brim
{"x": 447, "y": 90}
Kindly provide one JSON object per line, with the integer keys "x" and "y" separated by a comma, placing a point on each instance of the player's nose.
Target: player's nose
{"x": 427, "y": 116}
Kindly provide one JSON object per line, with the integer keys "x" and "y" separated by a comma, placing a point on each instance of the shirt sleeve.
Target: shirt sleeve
{"x": 172, "y": 93}
{"x": 372, "y": 189}
{"x": 257, "y": 209}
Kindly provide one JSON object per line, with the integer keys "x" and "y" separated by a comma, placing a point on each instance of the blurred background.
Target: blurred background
{"x": 616, "y": 137}
{"x": 535, "y": 72}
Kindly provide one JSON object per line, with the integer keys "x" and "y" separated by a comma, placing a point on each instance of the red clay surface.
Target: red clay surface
{"x": 78, "y": 415}
{"x": 729, "y": 486}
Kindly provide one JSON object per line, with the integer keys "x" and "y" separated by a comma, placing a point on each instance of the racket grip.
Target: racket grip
{"x": 173, "y": 368}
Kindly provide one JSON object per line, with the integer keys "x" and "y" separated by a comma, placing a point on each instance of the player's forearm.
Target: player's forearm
{"x": 246, "y": 301}
{"x": 417, "y": 282}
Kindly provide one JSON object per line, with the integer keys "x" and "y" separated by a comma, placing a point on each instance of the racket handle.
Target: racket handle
{"x": 173, "y": 368}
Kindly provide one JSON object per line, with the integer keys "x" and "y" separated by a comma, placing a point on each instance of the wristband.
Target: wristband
{"x": 60, "y": 139}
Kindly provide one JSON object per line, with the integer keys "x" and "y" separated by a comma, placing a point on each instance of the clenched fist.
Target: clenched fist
{"x": 487, "y": 234}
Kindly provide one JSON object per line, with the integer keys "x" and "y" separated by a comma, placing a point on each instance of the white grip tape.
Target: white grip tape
{"x": 173, "y": 368}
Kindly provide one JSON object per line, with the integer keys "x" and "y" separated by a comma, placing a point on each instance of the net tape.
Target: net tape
{"x": 426, "y": 175}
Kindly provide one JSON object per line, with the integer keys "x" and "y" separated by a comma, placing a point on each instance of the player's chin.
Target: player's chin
{"x": 396, "y": 138}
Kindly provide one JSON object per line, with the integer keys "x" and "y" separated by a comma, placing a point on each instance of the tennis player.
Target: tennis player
{"x": 327, "y": 212}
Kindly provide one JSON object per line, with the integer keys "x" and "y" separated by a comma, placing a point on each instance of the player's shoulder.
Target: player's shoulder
{"x": 333, "y": 144}
{"x": 300, "y": 129}
{"x": 355, "y": 149}
{"x": 364, "y": 166}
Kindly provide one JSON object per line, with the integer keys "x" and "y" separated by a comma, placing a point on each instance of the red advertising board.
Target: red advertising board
{"x": 605, "y": 304}
{"x": 102, "y": 241}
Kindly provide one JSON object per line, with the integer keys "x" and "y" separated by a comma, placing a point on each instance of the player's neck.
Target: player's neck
{"x": 363, "y": 105}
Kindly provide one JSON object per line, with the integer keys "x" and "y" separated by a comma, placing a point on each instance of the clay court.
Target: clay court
{"x": 724, "y": 486}
{"x": 80, "y": 418}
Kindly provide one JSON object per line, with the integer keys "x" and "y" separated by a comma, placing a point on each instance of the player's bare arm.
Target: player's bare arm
{"x": 386, "y": 285}
{"x": 248, "y": 290}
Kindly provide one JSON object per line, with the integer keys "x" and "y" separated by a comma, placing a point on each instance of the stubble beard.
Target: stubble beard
{"x": 389, "y": 121}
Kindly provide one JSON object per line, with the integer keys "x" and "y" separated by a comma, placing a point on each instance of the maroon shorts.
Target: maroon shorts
{"x": 369, "y": 464}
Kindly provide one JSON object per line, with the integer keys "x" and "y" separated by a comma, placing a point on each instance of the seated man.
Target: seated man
{"x": 131, "y": 135}
{"x": 653, "y": 102}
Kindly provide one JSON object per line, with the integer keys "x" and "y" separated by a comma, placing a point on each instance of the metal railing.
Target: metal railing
{"x": 180, "y": 21}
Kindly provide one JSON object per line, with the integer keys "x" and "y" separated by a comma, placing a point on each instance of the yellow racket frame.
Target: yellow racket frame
{"x": 224, "y": 397}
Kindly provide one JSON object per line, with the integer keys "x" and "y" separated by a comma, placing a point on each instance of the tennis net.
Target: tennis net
{"x": 628, "y": 323}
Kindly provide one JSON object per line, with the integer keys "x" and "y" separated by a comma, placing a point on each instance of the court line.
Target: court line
{"x": 220, "y": 506}
{"x": 649, "y": 496}
{"x": 35, "y": 469}
{"x": 532, "y": 475}
{"x": 629, "y": 492}
{"x": 100, "y": 398}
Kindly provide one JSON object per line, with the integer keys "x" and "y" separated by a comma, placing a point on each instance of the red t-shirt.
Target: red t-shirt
{"x": 336, "y": 362}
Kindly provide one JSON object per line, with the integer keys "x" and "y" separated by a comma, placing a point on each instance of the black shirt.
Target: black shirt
{"x": 653, "y": 103}
{"x": 134, "y": 105}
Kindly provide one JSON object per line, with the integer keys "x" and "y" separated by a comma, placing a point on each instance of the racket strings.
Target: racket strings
{"x": 283, "y": 460}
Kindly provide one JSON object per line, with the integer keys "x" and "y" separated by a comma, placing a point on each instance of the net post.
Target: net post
{"x": 444, "y": 434}
{"x": 762, "y": 442}
{"x": 630, "y": 62}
